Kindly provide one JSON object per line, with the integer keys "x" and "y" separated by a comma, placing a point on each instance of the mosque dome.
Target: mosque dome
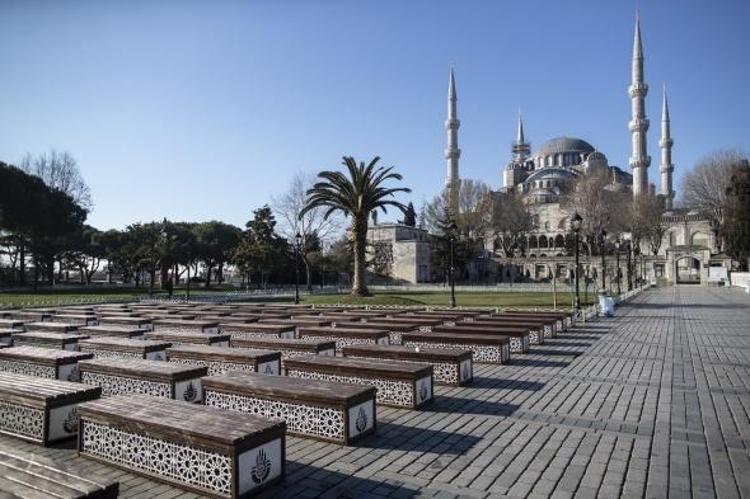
{"x": 565, "y": 145}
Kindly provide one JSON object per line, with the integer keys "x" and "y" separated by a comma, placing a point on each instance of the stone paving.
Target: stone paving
{"x": 653, "y": 403}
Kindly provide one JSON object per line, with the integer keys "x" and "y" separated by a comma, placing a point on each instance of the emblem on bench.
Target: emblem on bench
{"x": 190, "y": 393}
{"x": 423, "y": 392}
{"x": 268, "y": 370}
{"x": 465, "y": 372}
{"x": 361, "y": 423}
{"x": 70, "y": 425}
{"x": 262, "y": 467}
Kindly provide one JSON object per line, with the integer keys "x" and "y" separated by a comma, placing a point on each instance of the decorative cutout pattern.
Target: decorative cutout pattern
{"x": 303, "y": 419}
{"x": 216, "y": 368}
{"x": 27, "y": 368}
{"x": 115, "y": 385}
{"x": 342, "y": 342}
{"x": 516, "y": 344}
{"x": 21, "y": 420}
{"x": 534, "y": 337}
{"x": 179, "y": 463}
{"x": 399, "y": 393}
{"x": 482, "y": 353}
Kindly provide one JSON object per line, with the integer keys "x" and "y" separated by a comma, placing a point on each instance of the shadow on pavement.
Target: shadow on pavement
{"x": 392, "y": 436}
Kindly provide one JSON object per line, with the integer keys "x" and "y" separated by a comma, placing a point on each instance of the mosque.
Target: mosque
{"x": 689, "y": 251}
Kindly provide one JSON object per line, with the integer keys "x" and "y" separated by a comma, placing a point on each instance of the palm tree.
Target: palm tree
{"x": 356, "y": 196}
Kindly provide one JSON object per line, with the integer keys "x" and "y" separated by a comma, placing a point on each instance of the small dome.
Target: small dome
{"x": 564, "y": 144}
{"x": 596, "y": 155}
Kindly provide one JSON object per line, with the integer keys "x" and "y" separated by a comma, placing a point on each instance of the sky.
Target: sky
{"x": 205, "y": 110}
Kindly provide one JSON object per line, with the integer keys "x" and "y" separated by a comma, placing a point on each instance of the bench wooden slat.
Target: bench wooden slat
{"x": 27, "y": 475}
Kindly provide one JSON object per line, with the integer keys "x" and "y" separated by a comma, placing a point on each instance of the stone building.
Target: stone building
{"x": 399, "y": 252}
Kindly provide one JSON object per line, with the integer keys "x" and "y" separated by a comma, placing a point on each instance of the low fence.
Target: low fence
{"x": 501, "y": 287}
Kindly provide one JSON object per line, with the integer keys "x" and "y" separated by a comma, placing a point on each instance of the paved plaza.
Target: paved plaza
{"x": 652, "y": 403}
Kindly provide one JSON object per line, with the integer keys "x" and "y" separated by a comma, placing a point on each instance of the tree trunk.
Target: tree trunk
{"x": 209, "y": 269}
{"x": 22, "y": 262}
{"x": 359, "y": 235}
{"x": 308, "y": 274}
{"x": 220, "y": 276}
{"x": 163, "y": 276}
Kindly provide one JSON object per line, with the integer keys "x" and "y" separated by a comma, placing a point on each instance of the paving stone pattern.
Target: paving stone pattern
{"x": 653, "y": 403}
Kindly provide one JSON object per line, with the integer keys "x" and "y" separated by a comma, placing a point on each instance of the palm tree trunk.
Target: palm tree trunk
{"x": 359, "y": 235}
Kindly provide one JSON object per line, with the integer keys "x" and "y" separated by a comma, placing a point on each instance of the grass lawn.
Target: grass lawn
{"x": 438, "y": 298}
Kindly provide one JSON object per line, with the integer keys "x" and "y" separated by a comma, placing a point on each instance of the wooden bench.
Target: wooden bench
{"x": 324, "y": 410}
{"x": 564, "y": 319}
{"x": 51, "y": 327}
{"x": 59, "y": 341}
{"x": 289, "y": 348}
{"x": 220, "y": 360}
{"x": 77, "y": 319}
{"x": 395, "y": 329}
{"x": 12, "y": 324}
{"x": 520, "y": 337}
{"x": 400, "y": 384}
{"x": 201, "y": 449}
{"x": 297, "y": 323}
{"x": 133, "y": 322}
{"x": 28, "y": 316}
{"x": 147, "y": 377}
{"x": 494, "y": 349}
{"x": 42, "y": 362}
{"x": 450, "y": 366}
{"x": 125, "y": 348}
{"x": 177, "y": 338}
{"x": 448, "y": 318}
{"x": 257, "y": 330}
{"x": 113, "y": 330}
{"x": 344, "y": 336}
{"x": 30, "y": 476}
{"x": 421, "y": 323}
{"x": 41, "y": 410}
{"x": 186, "y": 326}
{"x": 538, "y": 326}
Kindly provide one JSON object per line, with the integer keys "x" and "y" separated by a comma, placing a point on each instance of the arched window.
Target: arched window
{"x": 542, "y": 241}
{"x": 559, "y": 241}
{"x": 533, "y": 243}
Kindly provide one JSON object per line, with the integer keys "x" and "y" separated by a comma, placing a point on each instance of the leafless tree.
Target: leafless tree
{"x": 474, "y": 210}
{"x": 600, "y": 207}
{"x": 511, "y": 222}
{"x": 705, "y": 186}
{"x": 312, "y": 225}
{"x": 647, "y": 222}
{"x": 60, "y": 171}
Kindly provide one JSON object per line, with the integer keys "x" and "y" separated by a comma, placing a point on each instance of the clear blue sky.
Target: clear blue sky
{"x": 203, "y": 110}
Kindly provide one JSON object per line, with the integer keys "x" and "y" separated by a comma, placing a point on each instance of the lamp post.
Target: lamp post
{"x": 602, "y": 244}
{"x": 617, "y": 264}
{"x": 575, "y": 223}
{"x": 452, "y": 270}
{"x": 297, "y": 243}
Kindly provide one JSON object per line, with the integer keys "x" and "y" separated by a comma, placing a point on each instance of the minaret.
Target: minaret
{"x": 666, "y": 167}
{"x": 452, "y": 152}
{"x": 640, "y": 160}
{"x": 521, "y": 148}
